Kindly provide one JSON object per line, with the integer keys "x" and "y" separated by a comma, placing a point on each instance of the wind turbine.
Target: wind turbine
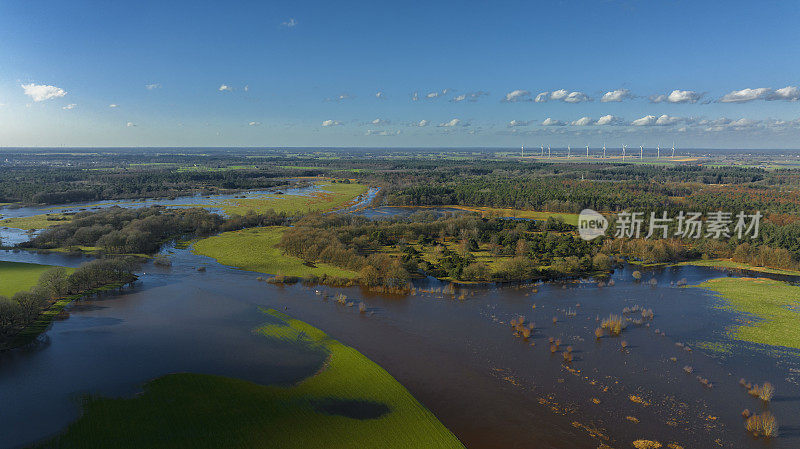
{"x": 548, "y": 152}
{"x": 587, "y": 151}
{"x": 542, "y": 155}
{"x": 569, "y": 150}
{"x": 641, "y": 150}
{"x": 623, "y": 152}
{"x": 673, "y": 150}
{"x": 604, "y": 151}
{"x": 658, "y": 155}
{"x": 523, "y": 151}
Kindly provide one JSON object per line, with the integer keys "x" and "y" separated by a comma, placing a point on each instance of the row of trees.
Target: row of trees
{"x": 25, "y": 306}
{"x": 118, "y": 230}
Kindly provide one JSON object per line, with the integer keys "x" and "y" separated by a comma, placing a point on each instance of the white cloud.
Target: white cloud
{"x": 683, "y": 96}
{"x": 380, "y": 121}
{"x": 152, "y": 86}
{"x": 415, "y": 96}
{"x": 379, "y": 95}
{"x": 552, "y": 122}
{"x": 331, "y": 123}
{"x": 743, "y": 123}
{"x": 246, "y": 88}
{"x": 583, "y": 121}
{"x": 562, "y": 95}
{"x": 340, "y": 97}
{"x": 576, "y": 97}
{"x": 451, "y": 123}
{"x": 665, "y": 120}
{"x": 616, "y": 95}
{"x": 677, "y": 96}
{"x": 69, "y": 106}
{"x": 469, "y": 96}
{"x": 254, "y": 124}
{"x": 432, "y": 95}
{"x": 42, "y": 92}
{"x": 373, "y": 132}
{"x": 423, "y": 123}
{"x": 514, "y": 123}
{"x": 291, "y": 23}
{"x": 130, "y": 125}
{"x": 225, "y": 88}
{"x": 788, "y": 93}
{"x": 517, "y": 95}
{"x": 744, "y": 95}
{"x": 113, "y": 105}
{"x": 647, "y": 120}
{"x": 542, "y": 97}
{"x": 609, "y": 120}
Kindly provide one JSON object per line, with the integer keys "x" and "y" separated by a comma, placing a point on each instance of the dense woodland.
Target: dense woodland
{"x": 388, "y": 252}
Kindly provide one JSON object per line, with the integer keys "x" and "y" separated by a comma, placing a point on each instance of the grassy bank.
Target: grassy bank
{"x": 18, "y": 276}
{"x": 729, "y": 264}
{"x": 41, "y": 221}
{"x": 255, "y": 249}
{"x": 194, "y": 410}
{"x": 330, "y": 196}
{"x": 772, "y": 309}
{"x": 520, "y": 213}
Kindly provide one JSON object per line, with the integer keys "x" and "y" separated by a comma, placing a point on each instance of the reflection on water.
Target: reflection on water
{"x": 458, "y": 357}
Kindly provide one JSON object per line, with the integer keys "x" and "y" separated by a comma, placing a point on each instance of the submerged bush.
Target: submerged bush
{"x": 614, "y": 324}
{"x": 764, "y": 425}
{"x": 764, "y": 392}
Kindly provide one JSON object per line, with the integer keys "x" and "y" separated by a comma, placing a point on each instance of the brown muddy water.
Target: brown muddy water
{"x": 458, "y": 357}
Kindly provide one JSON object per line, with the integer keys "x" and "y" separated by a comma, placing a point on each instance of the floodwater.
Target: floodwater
{"x": 13, "y": 236}
{"x": 457, "y": 356}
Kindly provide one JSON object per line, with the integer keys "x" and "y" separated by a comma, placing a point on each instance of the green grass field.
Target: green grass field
{"x": 255, "y": 249}
{"x": 330, "y": 196}
{"x": 17, "y": 276}
{"x": 35, "y": 221}
{"x": 204, "y": 411}
{"x": 520, "y": 213}
{"x": 724, "y": 263}
{"x": 771, "y": 308}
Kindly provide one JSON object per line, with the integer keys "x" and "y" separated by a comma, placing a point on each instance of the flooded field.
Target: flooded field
{"x": 456, "y": 353}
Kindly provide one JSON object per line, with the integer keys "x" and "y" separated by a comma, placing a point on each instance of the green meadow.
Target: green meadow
{"x": 203, "y": 411}
{"x": 35, "y": 221}
{"x": 770, "y": 308}
{"x": 18, "y": 276}
{"x": 330, "y": 197}
{"x": 724, "y": 263}
{"x": 521, "y": 213}
{"x": 255, "y": 249}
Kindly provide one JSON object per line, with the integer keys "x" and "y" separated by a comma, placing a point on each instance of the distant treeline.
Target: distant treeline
{"x": 24, "y": 307}
{"x": 56, "y": 185}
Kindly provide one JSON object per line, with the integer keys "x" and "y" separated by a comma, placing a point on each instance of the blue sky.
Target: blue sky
{"x": 705, "y": 74}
